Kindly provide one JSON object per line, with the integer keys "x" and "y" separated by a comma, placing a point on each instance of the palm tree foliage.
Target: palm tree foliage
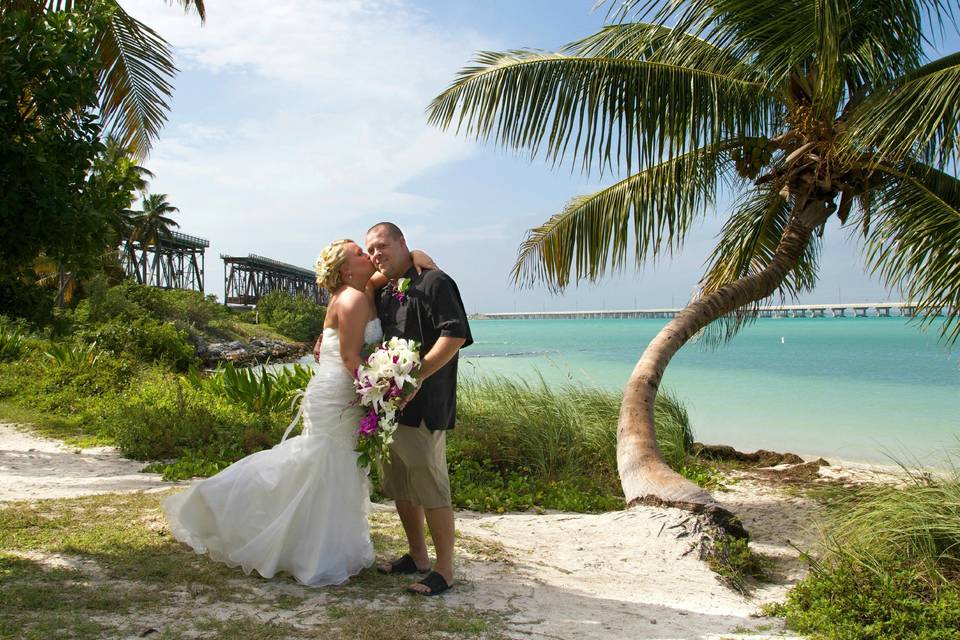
{"x": 153, "y": 223}
{"x": 786, "y": 102}
{"x": 136, "y": 68}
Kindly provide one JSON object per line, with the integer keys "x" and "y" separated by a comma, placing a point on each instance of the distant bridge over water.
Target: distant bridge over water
{"x": 835, "y": 310}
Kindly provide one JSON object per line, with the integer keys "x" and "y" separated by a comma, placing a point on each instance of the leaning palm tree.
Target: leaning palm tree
{"x": 136, "y": 69}
{"x": 805, "y": 109}
{"x": 153, "y": 224}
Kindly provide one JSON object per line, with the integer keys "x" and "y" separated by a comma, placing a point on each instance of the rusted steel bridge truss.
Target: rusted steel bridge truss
{"x": 247, "y": 278}
{"x": 176, "y": 262}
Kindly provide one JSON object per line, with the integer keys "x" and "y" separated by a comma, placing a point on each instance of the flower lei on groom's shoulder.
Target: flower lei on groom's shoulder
{"x": 399, "y": 288}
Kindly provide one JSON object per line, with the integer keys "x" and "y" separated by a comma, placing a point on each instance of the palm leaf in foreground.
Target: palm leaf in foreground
{"x": 914, "y": 243}
{"x": 655, "y": 207}
{"x": 599, "y": 110}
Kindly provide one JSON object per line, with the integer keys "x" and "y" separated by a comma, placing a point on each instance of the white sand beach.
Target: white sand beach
{"x": 627, "y": 574}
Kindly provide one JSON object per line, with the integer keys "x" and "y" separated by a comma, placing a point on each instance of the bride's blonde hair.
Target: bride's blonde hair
{"x": 328, "y": 264}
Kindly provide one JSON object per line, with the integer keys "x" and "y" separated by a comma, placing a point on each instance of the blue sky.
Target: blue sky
{"x": 297, "y": 122}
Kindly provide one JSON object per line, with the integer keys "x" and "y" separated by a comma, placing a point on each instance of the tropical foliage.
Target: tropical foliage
{"x": 805, "y": 110}
{"x": 890, "y": 567}
{"x": 294, "y": 316}
{"x": 49, "y": 136}
{"x": 259, "y": 391}
{"x": 135, "y": 66}
{"x": 153, "y": 223}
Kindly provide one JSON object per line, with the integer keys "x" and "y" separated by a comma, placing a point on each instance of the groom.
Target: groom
{"x": 431, "y": 312}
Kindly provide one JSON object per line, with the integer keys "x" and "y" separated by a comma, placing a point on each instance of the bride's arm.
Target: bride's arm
{"x": 421, "y": 260}
{"x": 353, "y": 312}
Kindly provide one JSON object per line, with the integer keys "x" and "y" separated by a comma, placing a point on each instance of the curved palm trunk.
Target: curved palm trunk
{"x": 644, "y": 474}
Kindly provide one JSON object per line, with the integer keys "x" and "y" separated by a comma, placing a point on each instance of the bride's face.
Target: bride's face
{"x": 358, "y": 266}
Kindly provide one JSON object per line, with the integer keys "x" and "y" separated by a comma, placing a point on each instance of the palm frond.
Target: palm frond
{"x": 599, "y": 109}
{"x": 68, "y": 5}
{"x": 914, "y": 243}
{"x": 648, "y": 41}
{"x": 747, "y": 245}
{"x": 918, "y": 115}
{"x": 655, "y": 207}
{"x": 194, "y": 5}
{"x": 856, "y": 42}
{"x": 137, "y": 71}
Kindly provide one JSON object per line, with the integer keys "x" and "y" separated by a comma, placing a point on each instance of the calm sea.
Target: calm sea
{"x": 852, "y": 388}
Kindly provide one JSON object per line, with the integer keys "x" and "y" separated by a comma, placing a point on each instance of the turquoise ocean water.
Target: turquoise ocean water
{"x": 852, "y": 388}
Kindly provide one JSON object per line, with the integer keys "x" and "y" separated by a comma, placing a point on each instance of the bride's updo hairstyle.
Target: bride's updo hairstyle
{"x": 328, "y": 264}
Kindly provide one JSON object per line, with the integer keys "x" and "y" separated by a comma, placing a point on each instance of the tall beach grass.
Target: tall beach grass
{"x": 890, "y": 566}
{"x": 555, "y": 435}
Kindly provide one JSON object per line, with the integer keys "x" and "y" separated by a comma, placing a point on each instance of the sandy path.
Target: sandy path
{"x": 32, "y": 468}
{"x": 629, "y": 574}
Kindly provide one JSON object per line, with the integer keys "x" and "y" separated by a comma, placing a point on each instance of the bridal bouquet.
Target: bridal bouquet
{"x": 382, "y": 381}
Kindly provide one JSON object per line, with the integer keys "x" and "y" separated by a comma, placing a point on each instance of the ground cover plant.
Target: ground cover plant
{"x": 890, "y": 566}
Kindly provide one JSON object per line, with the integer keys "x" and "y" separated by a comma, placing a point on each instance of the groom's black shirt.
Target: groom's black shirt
{"x": 433, "y": 308}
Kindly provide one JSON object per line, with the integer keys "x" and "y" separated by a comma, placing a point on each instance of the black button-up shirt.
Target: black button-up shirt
{"x": 433, "y": 308}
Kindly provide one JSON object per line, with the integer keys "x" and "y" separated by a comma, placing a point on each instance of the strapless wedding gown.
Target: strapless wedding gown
{"x": 300, "y": 507}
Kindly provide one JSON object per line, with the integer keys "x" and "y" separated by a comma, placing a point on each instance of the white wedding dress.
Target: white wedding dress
{"x": 300, "y": 507}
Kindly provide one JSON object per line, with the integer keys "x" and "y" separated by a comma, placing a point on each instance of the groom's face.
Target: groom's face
{"x": 388, "y": 252}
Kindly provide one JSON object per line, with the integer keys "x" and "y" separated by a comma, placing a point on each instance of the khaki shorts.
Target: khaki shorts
{"x": 417, "y": 469}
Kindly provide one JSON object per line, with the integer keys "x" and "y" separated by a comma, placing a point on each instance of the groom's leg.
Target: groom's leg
{"x": 442, "y": 531}
{"x": 411, "y": 516}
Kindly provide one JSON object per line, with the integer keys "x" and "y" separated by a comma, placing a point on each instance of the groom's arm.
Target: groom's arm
{"x": 440, "y": 354}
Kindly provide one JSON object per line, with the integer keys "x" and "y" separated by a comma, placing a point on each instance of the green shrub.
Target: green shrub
{"x": 165, "y": 419}
{"x": 30, "y": 302}
{"x": 519, "y": 445}
{"x": 481, "y": 487}
{"x": 890, "y": 568}
{"x": 293, "y": 316}
{"x": 734, "y": 562}
{"x": 74, "y": 358}
{"x": 555, "y": 432}
{"x": 143, "y": 339}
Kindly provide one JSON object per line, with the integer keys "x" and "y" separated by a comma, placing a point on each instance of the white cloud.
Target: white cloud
{"x": 303, "y": 119}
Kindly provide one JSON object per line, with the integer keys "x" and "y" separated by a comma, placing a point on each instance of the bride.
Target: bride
{"x": 301, "y": 507}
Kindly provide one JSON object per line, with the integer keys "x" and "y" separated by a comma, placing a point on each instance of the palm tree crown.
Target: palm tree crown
{"x": 153, "y": 224}
{"x": 786, "y": 102}
{"x": 807, "y": 109}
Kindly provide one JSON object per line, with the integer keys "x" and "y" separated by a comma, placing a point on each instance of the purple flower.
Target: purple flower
{"x": 369, "y": 424}
{"x": 394, "y": 390}
{"x": 399, "y": 295}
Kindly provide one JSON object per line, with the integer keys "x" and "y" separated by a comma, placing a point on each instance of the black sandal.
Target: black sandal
{"x": 404, "y": 565}
{"x": 435, "y": 582}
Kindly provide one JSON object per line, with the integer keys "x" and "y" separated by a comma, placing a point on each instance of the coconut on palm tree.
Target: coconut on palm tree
{"x": 806, "y": 109}
{"x": 136, "y": 68}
